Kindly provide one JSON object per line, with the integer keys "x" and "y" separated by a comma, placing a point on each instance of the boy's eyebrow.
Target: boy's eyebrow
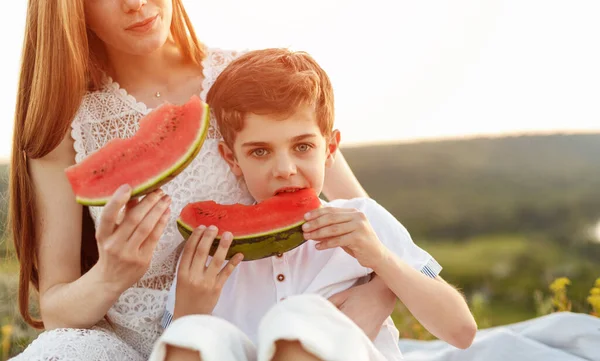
{"x": 294, "y": 139}
{"x": 303, "y": 136}
{"x": 255, "y": 144}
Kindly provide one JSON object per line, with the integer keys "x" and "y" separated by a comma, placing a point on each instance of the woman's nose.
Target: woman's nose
{"x": 133, "y": 5}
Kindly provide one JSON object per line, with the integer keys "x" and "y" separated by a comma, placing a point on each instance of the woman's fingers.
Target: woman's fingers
{"x": 149, "y": 243}
{"x": 110, "y": 212}
{"x": 148, "y": 224}
{"x": 134, "y": 216}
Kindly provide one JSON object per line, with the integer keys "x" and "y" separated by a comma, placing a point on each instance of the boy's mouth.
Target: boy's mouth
{"x": 287, "y": 190}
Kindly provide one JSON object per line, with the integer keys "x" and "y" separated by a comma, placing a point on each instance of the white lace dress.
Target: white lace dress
{"x": 112, "y": 113}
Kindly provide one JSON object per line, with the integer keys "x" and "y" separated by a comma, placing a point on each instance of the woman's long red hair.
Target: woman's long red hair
{"x": 61, "y": 60}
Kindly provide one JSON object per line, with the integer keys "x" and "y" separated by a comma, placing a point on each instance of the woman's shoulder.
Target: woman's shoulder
{"x": 214, "y": 62}
{"x": 218, "y": 55}
{"x": 108, "y": 101}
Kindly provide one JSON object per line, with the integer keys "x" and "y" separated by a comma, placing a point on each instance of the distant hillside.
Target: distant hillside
{"x": 463, "y": 187}
{"x": 459, "y": 188}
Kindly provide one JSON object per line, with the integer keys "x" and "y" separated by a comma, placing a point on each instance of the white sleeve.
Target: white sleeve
{"x": 393, "y": 235}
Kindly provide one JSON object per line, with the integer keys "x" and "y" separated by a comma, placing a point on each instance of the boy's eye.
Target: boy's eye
{"x": 303, "y": 147}
{"x": 261, "y": 152}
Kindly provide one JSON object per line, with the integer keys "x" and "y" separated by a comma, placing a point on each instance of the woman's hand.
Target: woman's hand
{"x": 368, "y": 305}
{"x": 125, "y": 246}
{"x": 199, "y": 285}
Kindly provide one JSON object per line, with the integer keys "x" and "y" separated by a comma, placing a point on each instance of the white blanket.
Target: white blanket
{"x": 556, "y": 337}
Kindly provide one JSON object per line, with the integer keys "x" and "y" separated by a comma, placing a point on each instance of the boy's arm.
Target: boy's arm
{"x": 340, "y": 181}
{"x": 383, "y": 245}
{"x": 411, "y": 273}
{"x": 438, "y": 306}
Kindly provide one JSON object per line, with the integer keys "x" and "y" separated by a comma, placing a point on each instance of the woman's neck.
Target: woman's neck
{"x": 165, "y": 72}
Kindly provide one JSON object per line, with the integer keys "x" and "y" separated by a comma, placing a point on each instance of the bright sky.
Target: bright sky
{"x": 410, "y": 69}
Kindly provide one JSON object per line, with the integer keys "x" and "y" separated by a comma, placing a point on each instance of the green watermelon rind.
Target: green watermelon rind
{"x": 257, "y": 246}
{"x": 163, "y": 178}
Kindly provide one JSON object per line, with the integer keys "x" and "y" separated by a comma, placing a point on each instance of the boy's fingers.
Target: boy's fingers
{"x": 315, "y": 213}
{"x": 203, "y": 249}
{"x": 219, "y": 256}
{"x": 228, "y": 269}
{"x": 330, "y": 243}
{"x": 330, "y": 231}
{"x": 327, "y": 219}
{"x": 189, "y": 249}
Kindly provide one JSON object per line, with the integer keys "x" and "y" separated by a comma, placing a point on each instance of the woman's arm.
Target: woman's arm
{"x": 66, "y": 298}
{"x": 340, "y": 181}
{"x": 368, "y": 305}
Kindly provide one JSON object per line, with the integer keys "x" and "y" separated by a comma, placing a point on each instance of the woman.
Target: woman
{"x": 102, "y": 280}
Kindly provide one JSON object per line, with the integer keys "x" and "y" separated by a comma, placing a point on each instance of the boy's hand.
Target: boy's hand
{"x": 346, "y": 228}
{"x": 199, "y": 285}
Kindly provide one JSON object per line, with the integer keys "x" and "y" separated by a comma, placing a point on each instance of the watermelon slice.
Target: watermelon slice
{"x": 167, "y": 140}
{"x": 271, "y": 227}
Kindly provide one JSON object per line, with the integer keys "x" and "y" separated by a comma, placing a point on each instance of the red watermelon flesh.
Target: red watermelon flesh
{"x": 168, "y": 139}
{"x": 280, "y": 212}
{"x": 271, "y": 227}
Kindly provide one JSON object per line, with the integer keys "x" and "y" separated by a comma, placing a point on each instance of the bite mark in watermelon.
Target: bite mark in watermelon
{"x": 261, "y": 230}
{"x": 167, "y": 140}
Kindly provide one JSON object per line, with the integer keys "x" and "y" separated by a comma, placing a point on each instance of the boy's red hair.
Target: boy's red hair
{"x": 270, "y": 81}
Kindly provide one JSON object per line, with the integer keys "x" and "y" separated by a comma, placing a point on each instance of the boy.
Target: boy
{"x": 274, "y": 109}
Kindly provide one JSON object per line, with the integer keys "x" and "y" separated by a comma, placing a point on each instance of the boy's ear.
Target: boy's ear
{"x": 332, "y": 147}
{"x": 229, "y": 157}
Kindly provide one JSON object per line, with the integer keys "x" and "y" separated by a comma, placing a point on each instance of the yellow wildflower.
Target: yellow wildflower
{"x": 7, "y": 331}
{"x": 559, "y": 284}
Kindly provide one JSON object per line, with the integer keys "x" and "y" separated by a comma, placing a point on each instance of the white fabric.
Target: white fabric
{"x": 561, "y": 336}
{"x": 112, "y": 113}
{"x": 254, "y": 287}
{"x": 78, "y": 345}
{"x": 214, "y": 338}
{"x": 320, "y": 327}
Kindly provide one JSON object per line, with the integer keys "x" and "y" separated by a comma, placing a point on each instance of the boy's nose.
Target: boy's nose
{"x": 284, "y": 168}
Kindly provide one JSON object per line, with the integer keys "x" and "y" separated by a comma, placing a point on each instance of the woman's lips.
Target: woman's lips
{"x": 144, "y": 25}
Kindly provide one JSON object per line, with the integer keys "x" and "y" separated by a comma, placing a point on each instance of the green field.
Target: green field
{"x": 503, "y": 216}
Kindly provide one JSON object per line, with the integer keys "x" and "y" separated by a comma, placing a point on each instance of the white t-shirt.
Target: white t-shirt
{"x": 255, "y": 286}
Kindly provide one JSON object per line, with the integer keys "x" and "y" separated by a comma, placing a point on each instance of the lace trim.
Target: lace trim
{"x": 111, "y": 113}
{"x": 158, "y": 283}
